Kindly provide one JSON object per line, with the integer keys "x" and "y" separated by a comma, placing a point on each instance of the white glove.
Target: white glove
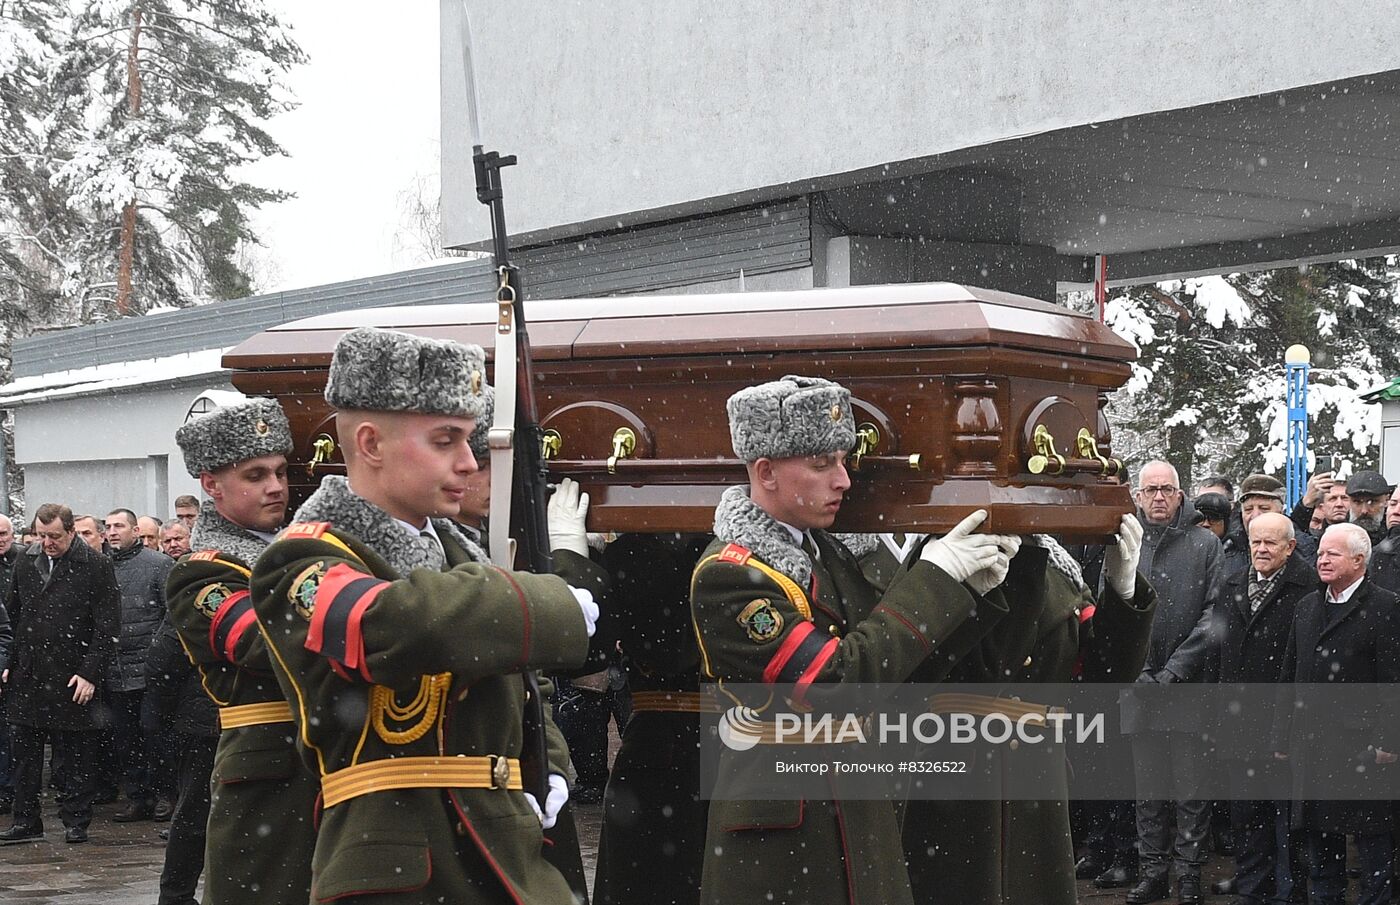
{"x": 960, "y": 553}
{"x": 590, "y": 609}
{"x": 567, "y": 511}
{"x": 553, "y": 801}
{"x": 1121, "y": 561}
{"x": 992, "y": 576}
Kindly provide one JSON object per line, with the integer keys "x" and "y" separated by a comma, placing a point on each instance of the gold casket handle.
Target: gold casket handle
{"x": 1088, "y": 448}
{"x": 322, "y": 449}
{"x": 624, "y": 441}
{"x": 1045, "y": 457}
{"x": 867, "y": 438}
{"x": 551, "y": 444}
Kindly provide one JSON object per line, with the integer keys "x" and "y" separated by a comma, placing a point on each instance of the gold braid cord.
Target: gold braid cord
{"x": 426, "y": 707}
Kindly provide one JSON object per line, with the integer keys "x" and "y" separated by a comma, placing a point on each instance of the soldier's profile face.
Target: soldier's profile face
{"x": 252, "y": 493}
{"x": 809, "y": 489}
{"x": 427, "y": 460}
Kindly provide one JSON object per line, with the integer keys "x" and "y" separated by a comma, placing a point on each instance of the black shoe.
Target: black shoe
{"x": 75, "y": 835}
{"x": 1226, "y": 887}
{"x": 1122, "y": 872}
{"x": 1149, "y": 889}
{"x": 19, "y": 833}
{"x": 163, "y": 810}
{"x": 135, "y": 811}
{"x": 1090, "y": 866}
{"x": 1188, "y": 891}
{"x": 164, "y": 834}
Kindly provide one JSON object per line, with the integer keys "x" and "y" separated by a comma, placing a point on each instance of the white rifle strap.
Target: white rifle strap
{"x": 501, "y": 438}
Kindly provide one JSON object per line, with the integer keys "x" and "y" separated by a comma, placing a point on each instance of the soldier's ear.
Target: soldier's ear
{"x": 367, "y": 442}
{"x": 761, "y": 473}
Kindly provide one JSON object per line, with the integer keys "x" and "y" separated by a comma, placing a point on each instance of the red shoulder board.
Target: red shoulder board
{"x": 312, "y": 530}
{"x": 735, "y": 554}
{"x": 205, "y": 555}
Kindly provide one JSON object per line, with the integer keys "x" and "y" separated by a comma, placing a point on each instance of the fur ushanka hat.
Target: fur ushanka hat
{"x": 390, "y": 371}
{"x": 794, "y": 416}
{"x": 234, "y": 433}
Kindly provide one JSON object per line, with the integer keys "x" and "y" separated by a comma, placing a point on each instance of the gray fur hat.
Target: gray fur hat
{"x": 234, "y": 433}
{"x": 794, "y": 416}
{"x": 480, "y": 449}
{"x": 390, "y": 371}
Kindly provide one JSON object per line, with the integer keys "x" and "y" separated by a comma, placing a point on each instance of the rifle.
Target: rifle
{"x": 515, "y": 438}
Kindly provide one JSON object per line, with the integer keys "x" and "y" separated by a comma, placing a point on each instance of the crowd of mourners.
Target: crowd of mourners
{"x": 92, "y": 677}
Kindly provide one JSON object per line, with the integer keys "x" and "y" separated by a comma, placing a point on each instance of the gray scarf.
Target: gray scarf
{"x": 214, "y": 532}
{"x": 739, "y": 520}
{"x": 334, "y": 502}
{"x": 1060, "y": 560}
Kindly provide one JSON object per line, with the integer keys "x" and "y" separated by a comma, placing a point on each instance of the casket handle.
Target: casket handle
{"x": 624, "y": 441}
{"x": 1045, "y": 458}
{"x": 867, "y": 438}
{"x": 1088, "y": 448}
{"x": 322, "y": 449}
{"x": 551, "y": 444}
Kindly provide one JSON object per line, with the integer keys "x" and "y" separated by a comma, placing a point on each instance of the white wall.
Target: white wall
{"x": 622, "y": 107}
{"x": 95, "y": 453}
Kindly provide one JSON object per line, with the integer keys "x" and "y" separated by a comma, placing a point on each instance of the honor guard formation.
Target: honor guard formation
{"x": 372, "y": 711}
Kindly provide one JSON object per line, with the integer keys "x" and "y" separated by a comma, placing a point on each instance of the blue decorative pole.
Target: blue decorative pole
{"x": 1295, "y": 366}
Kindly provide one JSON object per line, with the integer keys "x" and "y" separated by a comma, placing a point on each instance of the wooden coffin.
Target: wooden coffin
{"x": 966, "y": 398}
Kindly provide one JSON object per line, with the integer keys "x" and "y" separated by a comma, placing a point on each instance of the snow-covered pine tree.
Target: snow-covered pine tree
{"x": 179, "y": 92}
{"x": 1208, "y": 391}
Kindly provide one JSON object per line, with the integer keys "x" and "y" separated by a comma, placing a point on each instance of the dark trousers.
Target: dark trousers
{"x": 1327, "y": 854}
{"x": 1181, "y": 757}
{"x": 74, "y": 808}
{"x": 7, "y": 788}
{"x": 1110, "y": 830}
{"x": 1266, "y": 860}
{"x": 184, "y": 855}
{"x": 135, "y": 753}
{"x": 582, "y": 716}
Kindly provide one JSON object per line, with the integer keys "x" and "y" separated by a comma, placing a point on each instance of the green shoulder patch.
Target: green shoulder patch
{"x": 761, "y": 620}
{"x": 208, "y": 600}
{"x": 302, "y": 593}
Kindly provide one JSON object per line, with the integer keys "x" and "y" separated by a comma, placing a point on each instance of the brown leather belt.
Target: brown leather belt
{"x": 483, "y": 772}
{"x": 673, "y": 702}
{"x": 254, "y": 714}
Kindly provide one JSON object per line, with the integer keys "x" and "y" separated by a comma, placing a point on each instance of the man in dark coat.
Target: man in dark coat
{"x": 1183, "y": 563}
{"x": 1346, "y": 632}
{"x": 141, "y": 574}
{"x": 64, "y": 604}
{"x": 1385, "y": 556}
{"x": 1369, "y": 493}
{"x": 1250, "y": 625}
{"x": 9, "y": 554}
{"x": 175, "y": 701}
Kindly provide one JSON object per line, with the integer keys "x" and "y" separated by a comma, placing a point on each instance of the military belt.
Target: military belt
{"x": 254, "y": 714}
{"x": 987, "y": 705}
{"x": 489, "y": 772}
{"x": 673, "y": 702}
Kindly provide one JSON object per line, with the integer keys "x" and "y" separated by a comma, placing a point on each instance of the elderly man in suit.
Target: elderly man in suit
{"x": 1348, "y": 631}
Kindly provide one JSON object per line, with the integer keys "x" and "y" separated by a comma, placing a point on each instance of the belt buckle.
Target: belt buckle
{"x": 500, "y": 771}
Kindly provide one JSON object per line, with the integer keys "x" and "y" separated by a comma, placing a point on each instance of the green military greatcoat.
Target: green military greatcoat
{"x": 766, "y": 613}
{"x": 387, "y": 652}
{"x": 263, "y": 808}
{"x": 997, "y": 852}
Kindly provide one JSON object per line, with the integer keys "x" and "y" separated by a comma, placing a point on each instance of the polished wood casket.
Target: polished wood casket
{"x": 964, "y": 398}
